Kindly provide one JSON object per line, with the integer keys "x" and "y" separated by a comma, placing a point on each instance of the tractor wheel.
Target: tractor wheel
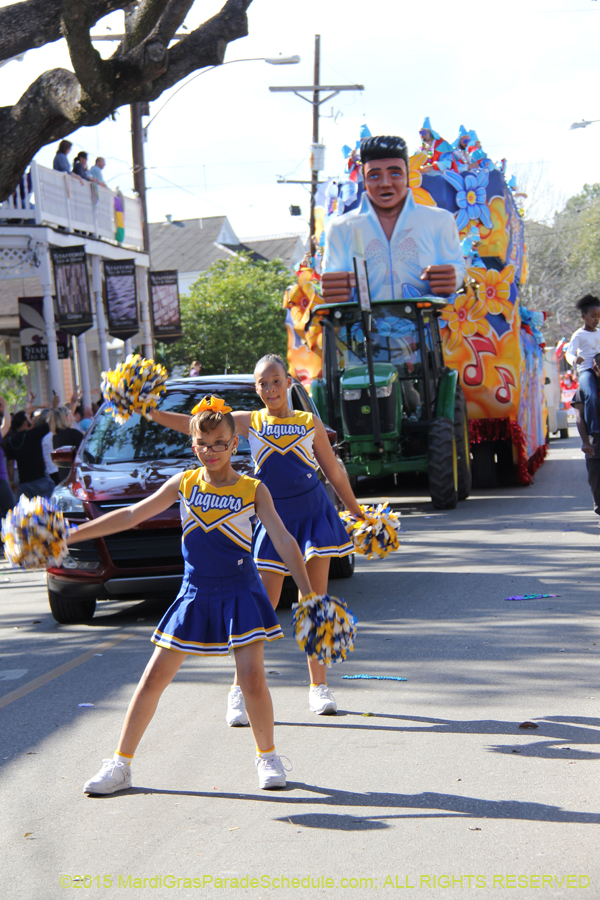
{"x": 70, "y": 612}
{"x": 463, "y": 450}
{"x": 443, "y": 464}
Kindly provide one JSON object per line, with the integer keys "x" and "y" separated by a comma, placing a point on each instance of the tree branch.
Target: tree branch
{"x": 87, "y": 62}
{"x": 140, "y": 22}
{"x": 33, "y": 23}
{"x": 59, "y": 102}
{"x": 172, "y": 18}
{"x": 208, "y": 42}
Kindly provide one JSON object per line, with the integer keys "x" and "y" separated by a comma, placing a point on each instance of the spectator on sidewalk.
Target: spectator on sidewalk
{"x": 64, "y": 434}
{"x": 7, "y": 498}
{"x": 195, "y": 368}
{"x": 63, "y": 429}
{"x": 82, "y": 418}
{"x": 23, "y": 445}
{"x": 592, "y": 451}
{"x": 96, "y": 170}
{"x": 51, "y": 467}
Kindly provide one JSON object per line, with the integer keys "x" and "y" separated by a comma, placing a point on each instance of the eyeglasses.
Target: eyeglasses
{"x": 219, "y": 447}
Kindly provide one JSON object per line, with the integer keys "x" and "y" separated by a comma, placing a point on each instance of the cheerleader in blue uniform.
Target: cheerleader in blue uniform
{"x": 222, "y": 604}
{"x": 287, "y": 446}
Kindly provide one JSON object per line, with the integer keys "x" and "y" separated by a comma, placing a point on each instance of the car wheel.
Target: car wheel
{"x": 70, "y": 612}
{"x": 342, "y": 567}
{"x": 289, "y": 593}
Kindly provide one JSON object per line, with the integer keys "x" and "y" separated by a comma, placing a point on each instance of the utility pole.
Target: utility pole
{"x": 139, "y": 167}
{"x": 316, "y": 150}
{"x": 314, "y": 178}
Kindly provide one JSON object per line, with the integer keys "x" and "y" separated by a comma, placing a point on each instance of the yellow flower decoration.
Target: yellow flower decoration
{"x": 464, "y": 318}
{"x": 493, "y": 290}
{"x": 214, "y": 404}
{"x": 415, "y": 180}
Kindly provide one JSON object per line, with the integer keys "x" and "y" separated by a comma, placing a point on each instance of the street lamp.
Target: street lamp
{"x": 139, "y": 134}
{"x": 583, "y": 124}
{"x": 271, "y": 60}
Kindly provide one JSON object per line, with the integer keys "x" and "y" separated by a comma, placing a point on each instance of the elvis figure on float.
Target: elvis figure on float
{"x": 409, "y": 248}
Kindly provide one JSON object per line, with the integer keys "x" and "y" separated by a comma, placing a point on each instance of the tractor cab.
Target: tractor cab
{"x": 412, "y": 386}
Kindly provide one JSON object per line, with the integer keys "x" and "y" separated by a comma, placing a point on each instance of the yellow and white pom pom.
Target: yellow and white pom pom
{"x": 136, "y": 385}
{"x": 35, "y": 534}
{"x": 324, "y": 627}
{"x": 377, "y": 533}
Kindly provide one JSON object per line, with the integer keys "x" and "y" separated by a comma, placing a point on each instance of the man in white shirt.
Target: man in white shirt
{"x": 407, "y": 245}
{"x": 96, "y": 170}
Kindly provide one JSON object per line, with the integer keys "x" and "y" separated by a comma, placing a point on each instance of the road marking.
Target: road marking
{"x": 60, "y": 670}
{"x": 12, "y": 674}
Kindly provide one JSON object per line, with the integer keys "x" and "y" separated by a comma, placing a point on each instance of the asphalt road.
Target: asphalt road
{"x": 427, "y": 785}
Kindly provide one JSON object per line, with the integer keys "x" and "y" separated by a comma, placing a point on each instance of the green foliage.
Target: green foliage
{"x": 233, "y": 313}
{"x": 12, "y": 382}
{"x": 564, "y": 261}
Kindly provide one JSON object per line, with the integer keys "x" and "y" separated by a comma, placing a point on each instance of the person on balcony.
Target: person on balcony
{"x": 80, "y": 167}
{"x": 96, "y": 170}
{"x": 61, "y": 160}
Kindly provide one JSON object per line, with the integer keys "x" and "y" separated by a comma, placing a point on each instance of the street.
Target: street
{"x": 427, "y": 784}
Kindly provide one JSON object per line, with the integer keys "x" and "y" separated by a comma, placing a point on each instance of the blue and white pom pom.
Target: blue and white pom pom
{"x": 324, "y": 627}
{"x": 377, "y": 533}
{"x": 136, "y": 385}
{"x": 35, "y": 534}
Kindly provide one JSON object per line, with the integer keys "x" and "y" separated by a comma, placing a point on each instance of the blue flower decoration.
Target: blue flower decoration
{"x": 471, "y": 197}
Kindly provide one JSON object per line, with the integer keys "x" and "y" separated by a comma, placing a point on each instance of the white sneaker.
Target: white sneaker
{"x": 236, "y": 708}
{"x": 271, "y": 771}
{"x": 113, "y": 776}
{"x": 321, "y": 700}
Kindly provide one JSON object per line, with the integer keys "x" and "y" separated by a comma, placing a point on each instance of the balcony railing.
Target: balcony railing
{"x": 60, "y": 200}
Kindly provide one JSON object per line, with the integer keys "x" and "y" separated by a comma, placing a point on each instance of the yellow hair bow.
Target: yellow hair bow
{"x": 214, "y": 404}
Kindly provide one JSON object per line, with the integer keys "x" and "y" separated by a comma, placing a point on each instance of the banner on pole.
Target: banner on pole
{"x": 164, "y": 303}
{"x": 32, "y": 332}
{"x": 73, "y": 299}
{"x": 121, "y": 298}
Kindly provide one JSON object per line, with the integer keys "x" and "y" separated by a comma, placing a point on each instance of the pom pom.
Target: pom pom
{"x": 34, "y": 534}
{"x": 136, "y": 385}
{"x": 324, "y": 627}
{"x": 377, "y": 533}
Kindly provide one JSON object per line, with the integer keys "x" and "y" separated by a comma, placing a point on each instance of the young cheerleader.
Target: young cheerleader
{"x": 222, "y": 604}
{"x": 287, "y": 445}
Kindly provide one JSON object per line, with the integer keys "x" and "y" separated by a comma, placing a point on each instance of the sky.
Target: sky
{"x": 519, "y": 73}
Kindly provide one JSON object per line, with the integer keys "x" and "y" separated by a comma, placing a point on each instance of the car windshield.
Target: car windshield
{"x": 139, "y": 439}
{"x": 395, "y": 340}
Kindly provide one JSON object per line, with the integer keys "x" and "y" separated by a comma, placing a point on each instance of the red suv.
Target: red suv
{"x": 117, "y": 465}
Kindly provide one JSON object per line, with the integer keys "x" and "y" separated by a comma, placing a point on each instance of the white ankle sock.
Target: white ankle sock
{"x": 122, "y": 757}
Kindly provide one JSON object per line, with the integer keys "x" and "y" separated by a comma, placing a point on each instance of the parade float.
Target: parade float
{"x": 489, "y": 337}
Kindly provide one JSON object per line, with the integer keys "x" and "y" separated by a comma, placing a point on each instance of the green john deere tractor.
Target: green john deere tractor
{"x": 386, "y": 390}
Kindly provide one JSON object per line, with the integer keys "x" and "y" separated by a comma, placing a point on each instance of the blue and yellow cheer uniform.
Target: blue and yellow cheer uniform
{"x": 282, "y": 450}
{"x": 222, "y": 603}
